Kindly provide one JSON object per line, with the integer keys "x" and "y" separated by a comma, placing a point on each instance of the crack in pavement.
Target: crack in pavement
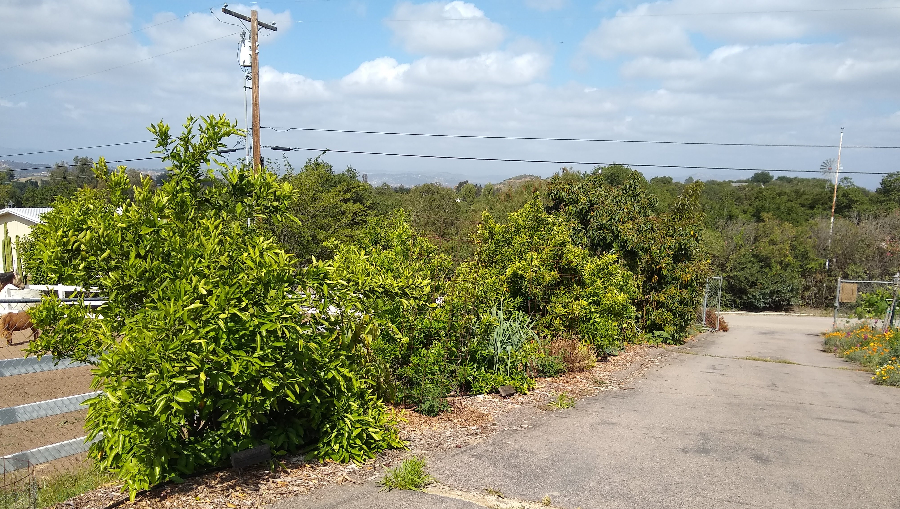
{"x": 773, "y": 361}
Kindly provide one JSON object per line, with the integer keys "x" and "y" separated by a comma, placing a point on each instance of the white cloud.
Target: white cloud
{"x": 438, "y": 29}
{"x": 494, "y": 68}
{"x": 9, "y": 104}
{"x": 638, "y": 35}
{"x": 286, "y": 86}
{"x": 380, "y": 75}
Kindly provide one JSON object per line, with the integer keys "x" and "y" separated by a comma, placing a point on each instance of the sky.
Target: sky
{"x": 77, "y": 73}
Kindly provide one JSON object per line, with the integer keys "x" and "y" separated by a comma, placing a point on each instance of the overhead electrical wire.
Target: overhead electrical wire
{"x": 548, "y": 161}
{"x": 117, "y": 67}
{"x": 77, "y": 148}
{"x": 96, "y": 42}
{"x": 50, "y": 166}
{"x": 600, "y": 140}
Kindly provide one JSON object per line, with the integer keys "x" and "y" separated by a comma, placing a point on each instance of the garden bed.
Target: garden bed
{"x": 471, "y": 418}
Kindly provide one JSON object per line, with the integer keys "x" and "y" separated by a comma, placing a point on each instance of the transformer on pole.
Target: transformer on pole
{"x": 253, "y": 51}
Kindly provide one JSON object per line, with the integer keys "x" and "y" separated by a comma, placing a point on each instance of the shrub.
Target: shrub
{"x": 715, "y": 321}
{"x": 533, "y": 264}
{"x": 210, "y": 342}
{"x": 575, "y": 355}
{"x": 612, "y": 211}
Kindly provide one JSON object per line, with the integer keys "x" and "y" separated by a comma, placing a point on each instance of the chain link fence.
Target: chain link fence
{"x": 870, "y": 301}
{"x": 709, "y": 314}
{"x": 42, "y": 437}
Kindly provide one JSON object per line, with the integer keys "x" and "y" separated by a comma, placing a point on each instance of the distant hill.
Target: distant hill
{"x": 516, "y": 181}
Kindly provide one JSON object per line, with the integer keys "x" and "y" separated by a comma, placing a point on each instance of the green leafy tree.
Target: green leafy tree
{"x": 210, "y": 342}
{"x": 662, "y": 249}
{"x": 542, "y": 272}
{"x": 332, "y": 207}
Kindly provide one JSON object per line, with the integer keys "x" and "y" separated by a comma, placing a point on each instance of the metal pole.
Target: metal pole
{"x": 894, "y": 302}
{"x": 703, "y": 307}
{"x": 837, "y": 172}
{"x": 837, "y": 302}
{"x": 254, "y": 71}
{"x": 719, "y": 303}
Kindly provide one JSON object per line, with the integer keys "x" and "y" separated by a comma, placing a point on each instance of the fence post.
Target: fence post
{"x": 837, "y": 303}
{"x": 703, "y": 306}
{"x": 894, "y": 302}
{"x": 719, "y": 303}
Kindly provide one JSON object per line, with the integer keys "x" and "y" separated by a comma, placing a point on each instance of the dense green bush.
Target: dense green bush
{"x": 662, "y": 249}
{"x": 533, "y": 260}
{"x": 210, "y": 342}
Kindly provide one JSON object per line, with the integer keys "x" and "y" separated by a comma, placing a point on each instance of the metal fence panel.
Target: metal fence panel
{"x": 31, "y": 411}
{"x": 44, "y": 454}
{"x": 23, "y": 366}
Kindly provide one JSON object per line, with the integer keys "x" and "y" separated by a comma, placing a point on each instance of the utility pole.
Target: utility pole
{"x": 254, "y": 74}
{"x": 837, "y": 171}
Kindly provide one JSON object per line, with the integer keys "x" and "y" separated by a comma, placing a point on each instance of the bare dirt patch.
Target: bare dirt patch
{"x": 23, "y": 436}
{"x": 472, "y": 418}
{"x": 34, "y": 387}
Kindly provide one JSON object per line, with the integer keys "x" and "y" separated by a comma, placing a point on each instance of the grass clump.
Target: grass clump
{"x": 53, "y": 489}
{"x": 562, "y": 401}
{"x": 410, "y": 475}
{"x": 65, "y": 485}
{"x": 874, "y": 350}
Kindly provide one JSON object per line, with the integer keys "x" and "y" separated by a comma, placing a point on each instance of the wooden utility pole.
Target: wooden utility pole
{"x": 254, "y": 75}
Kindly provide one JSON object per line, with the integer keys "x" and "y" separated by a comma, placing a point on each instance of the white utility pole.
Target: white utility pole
{"x": 255, "y": 24}
{"x": 837, "y": 172}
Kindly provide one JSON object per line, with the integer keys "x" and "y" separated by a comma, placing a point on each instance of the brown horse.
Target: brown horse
{"x": 10, "y": 278}
{"x": 19, "y": 320}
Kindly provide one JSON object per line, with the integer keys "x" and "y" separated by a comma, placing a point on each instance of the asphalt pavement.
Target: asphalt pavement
{"x": 756, "y": 417}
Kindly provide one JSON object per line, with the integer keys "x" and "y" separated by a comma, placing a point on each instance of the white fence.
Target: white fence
{"x": 13, "y": 299}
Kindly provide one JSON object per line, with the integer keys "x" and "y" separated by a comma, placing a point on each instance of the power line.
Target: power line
{"x": 599, "y": 140}
{"x": 46, "y": 167}
{"x": 547, "y": 161}
{"x": 118, "y": 66}
{"x": 220, "y": 152}
{"x": 95, "y": 43}
{"x": 77, "y": 148}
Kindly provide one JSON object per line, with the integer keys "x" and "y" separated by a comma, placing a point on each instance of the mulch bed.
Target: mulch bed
{"x": 471, "y": 418}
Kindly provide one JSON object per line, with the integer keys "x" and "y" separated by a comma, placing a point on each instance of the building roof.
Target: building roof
{"x": 31, "y": 215}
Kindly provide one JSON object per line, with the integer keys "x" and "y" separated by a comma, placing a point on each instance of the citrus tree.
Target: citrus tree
{"x": 210, "y": 341}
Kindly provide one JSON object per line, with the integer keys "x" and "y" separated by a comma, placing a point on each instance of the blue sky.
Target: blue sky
{"x": 763, "y": 71}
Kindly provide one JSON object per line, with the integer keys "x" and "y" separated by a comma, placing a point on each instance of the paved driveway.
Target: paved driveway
{"x": 713, "y": 426}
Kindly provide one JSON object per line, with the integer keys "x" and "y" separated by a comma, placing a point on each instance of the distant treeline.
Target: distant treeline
{"x": 767, "y": 237}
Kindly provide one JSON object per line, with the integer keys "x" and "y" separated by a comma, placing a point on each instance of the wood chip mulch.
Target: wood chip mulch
{"x": 472, "y": 418}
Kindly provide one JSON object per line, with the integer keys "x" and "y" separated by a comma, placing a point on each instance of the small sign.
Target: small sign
{"x": 849, "y": 292}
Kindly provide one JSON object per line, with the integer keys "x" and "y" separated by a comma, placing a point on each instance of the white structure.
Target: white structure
{"x": 19, "y": 222}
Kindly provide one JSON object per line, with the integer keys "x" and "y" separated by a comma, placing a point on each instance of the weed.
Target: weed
{"x": 546, "y": 501}
{"x": 62, "y": 486}
{"x": 562, "y": 401}
{"x": 494, "y": 492}
{"x": 410, "y": 475}
{"x": 576, "y": 355}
